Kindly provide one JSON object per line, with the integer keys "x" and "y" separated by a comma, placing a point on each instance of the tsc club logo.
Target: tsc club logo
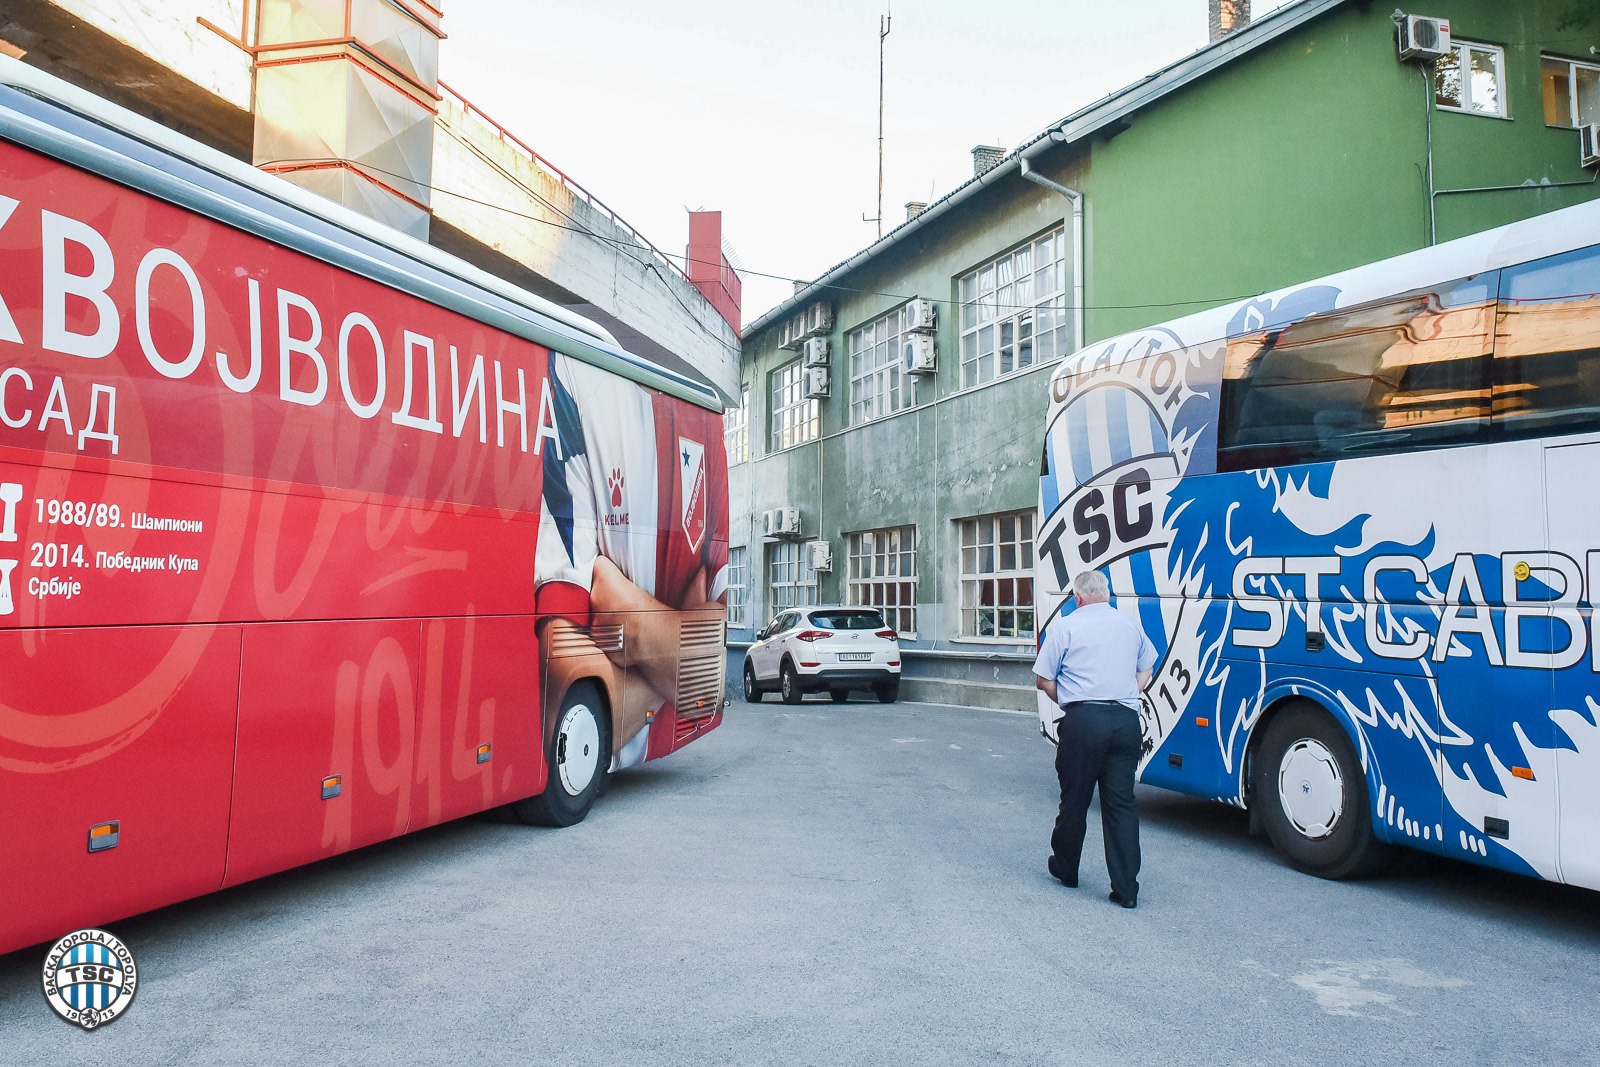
{"x": 89, "y": 978}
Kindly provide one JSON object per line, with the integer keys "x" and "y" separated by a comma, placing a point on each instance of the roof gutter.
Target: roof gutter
{"x": 1116, "y": 107}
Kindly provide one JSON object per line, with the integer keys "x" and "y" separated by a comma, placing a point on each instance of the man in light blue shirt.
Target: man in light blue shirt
{"x": 1093, "y": 664}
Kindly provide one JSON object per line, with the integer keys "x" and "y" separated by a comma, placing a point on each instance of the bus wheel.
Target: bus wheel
{"x": 1313, "y": 796}
{"x": 789, "y": 684}
{"x": 752, "y": 688}
{"x": 578, "y": 755}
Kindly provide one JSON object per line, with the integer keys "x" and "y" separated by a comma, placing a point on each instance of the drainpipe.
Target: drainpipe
{"x": 1076, "y": 197}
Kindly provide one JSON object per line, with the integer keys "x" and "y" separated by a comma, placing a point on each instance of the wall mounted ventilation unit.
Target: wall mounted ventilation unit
{"x": 918, "y": 354}
{"x": 1422, "y": 37}
{"x": 821, "y": 555}
{"x": 816, "y": 350}
{"x": 782, "y": 522}
{"x": 1589, "y": 146}
{"x": 922, "y": 315}
{"x": 816, "y": 383}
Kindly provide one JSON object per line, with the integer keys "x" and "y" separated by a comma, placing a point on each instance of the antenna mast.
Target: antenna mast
{"x": 884, "y": 22}
{"x": 883, "y": 31}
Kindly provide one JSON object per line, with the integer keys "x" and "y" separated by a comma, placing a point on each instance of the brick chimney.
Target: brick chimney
{"x": 1228, "y": 16}
{"x": 915, "y": 208}
{"x": 984, "y": 157}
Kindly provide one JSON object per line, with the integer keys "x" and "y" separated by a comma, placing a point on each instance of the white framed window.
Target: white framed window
{"x": 736, "y": 429}
{"x": 879, "y": 385}
{"x": 997, "y": 576}
{"x": 883, "y": 574}
{"x": 795, "y": 419}
{"x": 791, "y": 583}
{"x": 1014, "y": 310}
{"x": 738, "y": 589}
{"x": 1472, "y": 78}
{"x": 1571, "y": 91}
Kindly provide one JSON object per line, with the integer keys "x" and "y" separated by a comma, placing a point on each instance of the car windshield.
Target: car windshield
{"x": 848, "y": 620}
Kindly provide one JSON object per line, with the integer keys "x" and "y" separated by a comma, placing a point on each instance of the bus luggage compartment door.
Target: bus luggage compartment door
{"x": 116, "y": 752}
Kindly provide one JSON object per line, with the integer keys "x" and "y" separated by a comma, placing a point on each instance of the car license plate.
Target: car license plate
{"x": 854, "y": 657}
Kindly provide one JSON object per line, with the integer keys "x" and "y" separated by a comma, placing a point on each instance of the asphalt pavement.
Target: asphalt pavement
{"x": 843, "y": 884}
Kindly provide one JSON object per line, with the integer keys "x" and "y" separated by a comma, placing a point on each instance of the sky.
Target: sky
{"x": 767, "y": 110}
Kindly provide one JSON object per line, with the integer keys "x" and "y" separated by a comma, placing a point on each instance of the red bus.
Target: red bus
{"x": 310, "y": 535}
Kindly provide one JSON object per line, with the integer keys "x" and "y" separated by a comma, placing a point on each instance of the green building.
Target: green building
{"x": 886, "y": 451}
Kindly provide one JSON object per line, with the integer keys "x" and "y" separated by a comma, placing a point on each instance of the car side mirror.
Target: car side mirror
{"x": 761, "y": 634}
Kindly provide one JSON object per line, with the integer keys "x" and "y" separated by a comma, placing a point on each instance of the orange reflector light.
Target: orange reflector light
{"x": 1522, "y": 772}
{"x": 1202, "y": 722}
{"x": 483, "y": 753}
{"x": 105, "y": 835}
{"x": 332, "y": 786}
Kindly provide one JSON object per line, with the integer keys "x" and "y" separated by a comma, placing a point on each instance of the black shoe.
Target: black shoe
{"x": 1055, "y": 872}
{"x": 1117, "y": 898}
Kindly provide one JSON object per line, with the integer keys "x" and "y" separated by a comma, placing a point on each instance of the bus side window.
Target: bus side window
{"x": 1547, "y": 346}
{"x": 1393, "y": 375}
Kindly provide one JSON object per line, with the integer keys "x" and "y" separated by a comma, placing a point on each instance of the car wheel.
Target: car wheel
{"x": 789, "y": 684}
{"x": 839, "y": 695}
{"x": 578, "y": 755}
{"x": 887, "y": 692}
{"x": 1313, "y": 796}
{"x": 752, "y": 688}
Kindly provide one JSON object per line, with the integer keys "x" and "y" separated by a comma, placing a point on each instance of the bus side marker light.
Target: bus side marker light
{"x": 332, "y": 786}
{"x": 105, "y": 835}
{"x": 1522, "y": 772}
{"x": 1202, "y": 721}
{"x": 483, "y": 753}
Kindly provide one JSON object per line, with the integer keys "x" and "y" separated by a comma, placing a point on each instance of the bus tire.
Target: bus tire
{"x": 577, "y": 756}
{"x": 789, "y": 684}
{"x": 1312, "y": 793}
{"x": 752, "y": 688}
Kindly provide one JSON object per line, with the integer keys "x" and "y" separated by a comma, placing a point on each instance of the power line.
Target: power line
{"x": 575, "y": 227}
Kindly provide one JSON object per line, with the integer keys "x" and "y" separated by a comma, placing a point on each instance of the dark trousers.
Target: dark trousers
{"x": 1099, "y": 743}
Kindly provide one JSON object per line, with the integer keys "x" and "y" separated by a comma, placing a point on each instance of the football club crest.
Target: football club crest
{"x": 692, "y": 490}
{"x": 89, "y": 978}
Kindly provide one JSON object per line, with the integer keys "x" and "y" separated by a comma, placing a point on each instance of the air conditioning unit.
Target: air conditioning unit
{"x": 918, "y": 354}
{"x": 821, "y": 555}
{"x": 816, "y": 383}
{"x": 792, "y": 334}
{"x": 816, "y": 350}
{"x": 819, "y": 318}
{"x": 1589, "y": 146}
{"x": 1422, "y": 37}
{"x": 922, "y": 315}
{"x": 782, "y": 522}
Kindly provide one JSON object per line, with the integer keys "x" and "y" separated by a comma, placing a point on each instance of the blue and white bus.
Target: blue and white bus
{"x": 1360, "y": 519}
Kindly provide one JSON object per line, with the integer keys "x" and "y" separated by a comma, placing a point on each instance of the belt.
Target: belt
{"x": 1087, "y": 703}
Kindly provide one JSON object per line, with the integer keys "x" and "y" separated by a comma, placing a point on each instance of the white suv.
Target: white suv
{"x": 824, "y": 648}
